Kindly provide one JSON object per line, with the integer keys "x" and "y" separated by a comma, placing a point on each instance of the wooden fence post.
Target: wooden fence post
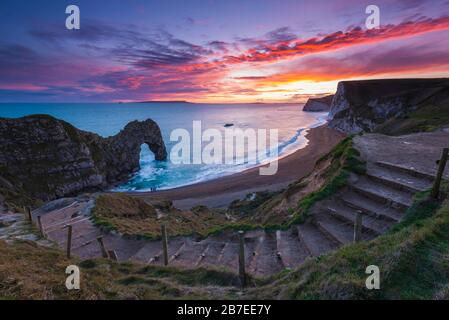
{"x": 39, "y": 223}
{"x": 104, "y": 253}
{"x": 28, "y": 213}
{"x": 358, "y": 226}
{"x": 69, "y": 241}
{"x": 112, "y": 255}
{"x": 437, "y": 183}
{"x": 164, "y": 244}
{"x": 242, "y": 272}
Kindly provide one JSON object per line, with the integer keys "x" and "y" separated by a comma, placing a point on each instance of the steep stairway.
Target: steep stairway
{"x": 291, "y": 250}
{"x": 381, "y": 196}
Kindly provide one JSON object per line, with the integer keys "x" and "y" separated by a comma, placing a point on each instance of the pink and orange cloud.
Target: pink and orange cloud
{"x": 123, "y": 64}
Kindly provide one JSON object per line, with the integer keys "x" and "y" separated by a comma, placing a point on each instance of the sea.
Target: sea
{"x": 107, "y": 119}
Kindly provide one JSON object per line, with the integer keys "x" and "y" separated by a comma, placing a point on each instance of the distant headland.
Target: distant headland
{"x": 164, "y": 101}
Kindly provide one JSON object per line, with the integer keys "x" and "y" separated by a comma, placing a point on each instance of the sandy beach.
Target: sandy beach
{"x": 220, "y": 192}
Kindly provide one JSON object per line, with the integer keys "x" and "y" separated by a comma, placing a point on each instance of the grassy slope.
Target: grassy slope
{"x": 17, "y": 200}
{"x": 31, "y": 272}
{"x": 330, "y": 174}
{"x": 413, "y": 259}
{"x": 343, "y": 159}
{"x": 427, "y": 118}
{"x": 134, "y": 216}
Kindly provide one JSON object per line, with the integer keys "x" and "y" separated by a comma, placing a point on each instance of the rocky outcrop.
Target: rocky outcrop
{"x": 322, "y": 104}
{"x": 48, "y": 158}
{"x": 364, "y": 105}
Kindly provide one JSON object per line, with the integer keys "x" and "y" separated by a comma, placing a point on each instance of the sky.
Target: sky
{"x": 213, "y": 51}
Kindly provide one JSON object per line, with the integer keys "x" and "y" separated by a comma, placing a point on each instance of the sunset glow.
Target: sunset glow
{"x": 197, "y": 54}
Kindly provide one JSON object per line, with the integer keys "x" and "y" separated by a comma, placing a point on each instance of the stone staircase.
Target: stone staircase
{"x": 14, "y": 226}
{"x": 381, "y": 196}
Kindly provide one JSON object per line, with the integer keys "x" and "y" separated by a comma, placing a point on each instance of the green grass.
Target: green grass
{"x": 31, "y": 272}
{"x": 426, "y": 119}
{"x": 247, "y": 205}
{"x": 138, "y": 218}
{"x": 16, "y": 200}
{"x": 344, "y": 159}
{"x": 412, "y": 257}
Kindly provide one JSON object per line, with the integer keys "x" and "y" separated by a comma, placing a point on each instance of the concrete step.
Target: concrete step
{"x": 252, "y": 248}
{"x": 291, "y": 250}
{"x": 339, "y": 231}
{"x": 58, "y": 215}
{"x": 407, "y": 170}
{"x": 89, "y": 250}
{"x": 87, "y": 246}
{"x": 398, "y": 179}
{"x": 210, "y": 255}
{"x": 251, "y": 259}
{"x": 15, "y": 226}
{"x": 7, "y": 219}
{"x": 175, "y": 245}
{"x": 381, "y": 193}
{"x": 335, "y": 230}
{"x": 151, "y": 252}
{"x": 228, "y": 256}
{"x": 347, "y": 214}
{"x": 370, "y": 207}
{"x": 124, "y": 248}
{"x": 64, "y": 223}
{"x": 202, "y": 254}
{"x": 188, "y": 255}
{"x": 81, "y": 239}
{"x": 314, "y": 240}
{"x": 265, "y": 260}
{"x": 84, "y": 239}
{"x": 82, "y": 232}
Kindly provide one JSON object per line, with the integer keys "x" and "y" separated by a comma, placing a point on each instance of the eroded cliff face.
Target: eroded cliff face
{"x": 364, "y": 105}
{"x": 47, "y": 158}
{"x": 322, "y": 104}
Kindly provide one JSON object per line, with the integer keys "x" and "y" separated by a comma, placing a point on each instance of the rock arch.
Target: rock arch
{"x": 47, "y": 158}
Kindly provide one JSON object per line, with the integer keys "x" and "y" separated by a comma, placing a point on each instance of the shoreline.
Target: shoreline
{"x": 220, "y": 192}
{"x": 300, "y": 142}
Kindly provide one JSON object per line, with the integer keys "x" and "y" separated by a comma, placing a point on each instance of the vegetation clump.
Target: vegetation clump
{"x": 142, "y": 218}
{"x": 251, "y": 202}
{"x": 343, "y": 160}
{"x": 427, "y": 118}
{"x": 28, "y": 271}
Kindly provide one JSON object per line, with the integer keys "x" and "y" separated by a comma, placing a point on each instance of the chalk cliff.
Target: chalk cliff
{"x": 322, "y": 104}
{"x": 47, "y": 158}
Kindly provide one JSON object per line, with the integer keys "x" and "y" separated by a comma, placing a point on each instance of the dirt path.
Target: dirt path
{"x": 418, "y": 151}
